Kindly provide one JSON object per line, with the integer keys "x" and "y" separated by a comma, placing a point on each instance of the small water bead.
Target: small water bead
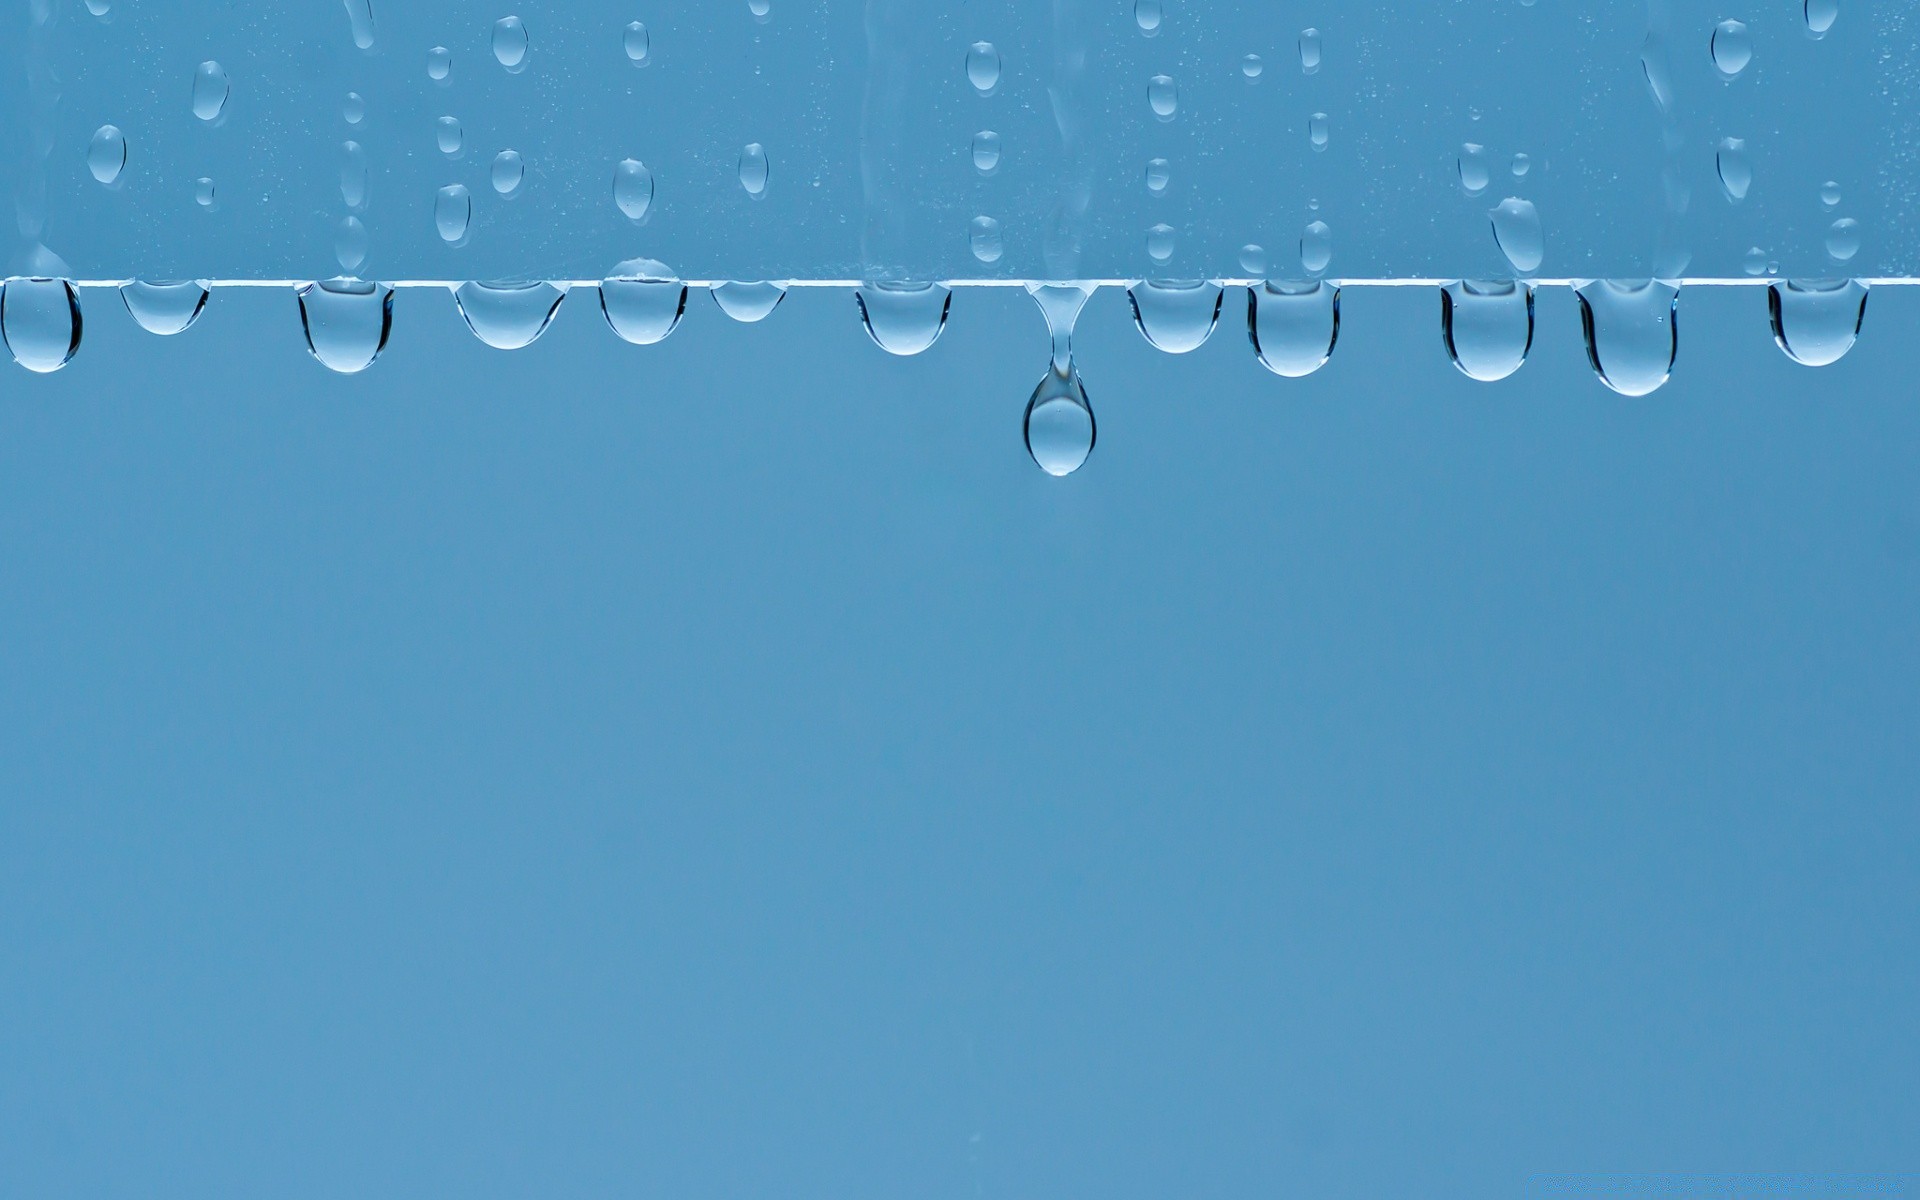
{"x": 1755, "y": 263}
{"x": 99, "y": 8}
{"x": 1517, "y": 230}
{"x": 1253, "y": 260}
{"x": 642, "y": 301}
{"x": 355, "y": 108}
{"x": 360, "y": 23}
{"x": 1632, "y": 331}
{"x": 1316, "y": 247}
{"x": 203, "y": 192}
{"x": 986, "y": 152}
{"x": 983, "y": 67}
{"x": 40, "y": 323}
{"x": 1159, "y": 175}
{"x": 1521, "y": 165}
{"x": 1317, "y": 131}
{"x": 1163, "y": 96}
{"x": 347, "y": 322}
{"x": 1475, "y": 175}
{"x": 748, "y": 303}
{"x": 107, "y": 154}
{"x": 1816, "y": 321}
{"x": 353, "y": 176}
{"x": 637, "y": 43}
{"x": 350, "y": 243}
{"x": 1820, "y": 16}
{"x": 1830, "y": 195}
{"x": 1294, "y": 327}
{"x": 448, "y": 135}
{"x": 1251, "y": 66}
{"x": 1160, "y": 241}
{"x": 1310, "y": 50}
{"x": 508, "y": 316}
{"x": 754, "y": 169}
{"x": 1735, "y": 168}
{"x": 1177, "y": 318}
{"x": 632, "y": 188}
{"x": 165, "y": 308}
{"x": 1058, "y": 427}
{"x": 453, "y": 213}
{"x": 509, "y": 170}
{"x": 904, "y": 318}
{"x": 984, "y": 238}
{"x": 210, "y": 90}
{"x": 1487, "y": 326}
{"x": 510, "y": 43}
{"x": 1843, "y": 239}
{"x": 1147, "y": 16}
{"x": 1732, "y": 49}
{"x": 761, "y": 10}
{"x": 439, "y": 64}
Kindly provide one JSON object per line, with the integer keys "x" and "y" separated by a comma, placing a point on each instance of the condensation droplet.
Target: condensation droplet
{"x": 1159, "y": 175}
{"x": 748, "y": 303}
{"x": 1487, "y": 326}
{"x": 1294, "y": 326}
{"x": 360, "y": 22}
{"x": 1317, "y": 131}
{"x": 1830, "y": 195}
{"x": 1316, "y": 247}
{"x": 1816, "y": 321}
{"x": 643, "y": 301}
{"x": 203, "y": 192}
{"x": 1755, "y": 262}
{"x": 637, "y": 43}
{"x": 350, "y": 243}
{"x": 165, "y": 308}
{"x": 983, "y": 236}
{"x": 347, "y": 322}
{"x": 1475, "y": 175}
{"x": 508, "y": 316}
{"x": 439, "y": 64}
{"x": 983, "y": 67}
{"x": 1732, "y": 48}
{"x": 355, "y": 108}
{"x": 1843, "y": 239}
{"x": 1163, "y": 96}
{"x": 632, "y": 188}
{"x": 1820, "y": 16}
{"x": 107, "y": 154}
{"x": 986, "y": 152}
{"x": 1521, "y": 165}
{"x": 1160, "y": 241}
{"x": 904, "y": 318}
{"x": 40, "y": 323}
{"x": 1251, "y": 66}
{"x": 1517, "y": 230}
{"x": 453, "y": 213}
{"x": 1735, "y": 169}
{"x": 353, "y": 176}
{"x": 210, "y": 90}
{"x": 754, "y": 169}
{"x": 760, "y": 10}
{"x": 1253, "y": 260}
{"x": 1632, "y": 331}
{"x": 1310, "y": 50}
{"x": 1147, "y": 16}
{"x": 448, "y": 135}
{"x": 510, "y": 43}
{"x": 509, "y": 170}
{"x": 1177, "y": 318}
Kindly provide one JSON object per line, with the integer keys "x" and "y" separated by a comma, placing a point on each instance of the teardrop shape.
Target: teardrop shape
{"x": 632, "y": 189}
{"x": 1633, "y": 332}
{"x": 1487, "y": 326}
{"x": 360, "y": 21}
{"x": 1059, "y": 426}
{"x": 1517, "y": 231}
{"x": 1820, "y": 16}
{"x": 749, "y": 303}
{"x": 904, "y": 318}
{"x": 754, "y": 169}
{"x": 1731, "y": 48}
{"x": 453, "y": 214}
{"x": 347, "y": 322}
{"x": 1293, "y": 326}
{"x": 107, "y": 154}
{"x": 642, "y": 301}
{"x": 510, "y": 43}
{"x": 1176, "y": 318}
{"x": 210, "y": 90}
{"x": 165, "y": 308}
{"x": 40, "y": 323}
{"x": 508, "y": 316}
{"x": 983, "y": 67}
{"x": 1730, "y": 162}
{"x": 1816, "y": 321}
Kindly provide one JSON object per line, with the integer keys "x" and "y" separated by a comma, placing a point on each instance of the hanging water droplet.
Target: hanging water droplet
{"x": 165, "y": 308}
{"x": 1293, "y": 326}
{"x": 986, "y": 152}
{"x": 754, "y": 168}
{"x": 1487, "y": 326}
{"x": 1059, "y": 426}
{"x": 1316, "y": 247}
{"x": 1253, "y": 260}
{"x": 1521, "y": 165}
{"x": 1517, "y": 230}
{"x": 1310, "y": 50}
{"x": 210, "y": 89}
{"x": 1317, "y": 131}
{"x": 1475, "y": 175}
{"x": 1830, "y": 195}
{"x": 360, "y": 22}
{"x": 1732, "y": 48}
{"x": 760, "y": 10}
{"x": 439, "y": 64}
{"x": 643, "y": 301}
{"x": 1734, "y": 167}
{"x": 1163, "y": 95}
{"x": 983, "y": 67}
{"x": 508, "y": 172}
{"x": 904, "y": 318}
{"x": 1820, "y": 16}
{"x": 1816, "y": 321}
{"x": 1147, "y": 15}
{"x": 508, "y": 316}
{"x": 40, "y": 322}
{"x": 1843, "y": 239}
{"x": 1160, "y": 239}
{"x": 353, "y": 176}
{"x": 983, "y": 235}
{"x": 452, "y": 213}
{"x": 1175, "y": 317}
{"x": 354, "y": 109}
{"x": 350, "y": 243}
{"x": 632, "y": 188}
{"x": 347, "y": 322}
{"x": 448, "y": 135}
{"x": 1251, "y": 66}
{"x": 1159, "y": 174}
{"x": 510, "y": 43}
{"x": 748, "y": 303}
{"x": 1632, "y": 331}
{"x": 107, "y": 154}
{"x": 203, "y": 192}
{"x": 637, "y": 43}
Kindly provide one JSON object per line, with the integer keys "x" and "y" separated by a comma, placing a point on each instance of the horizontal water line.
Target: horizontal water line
{"x": 1580, "y": 281}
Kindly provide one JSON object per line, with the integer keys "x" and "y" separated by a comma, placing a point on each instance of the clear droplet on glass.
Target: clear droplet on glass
{"x": 749, "y": 303}
{"x": 353, "y": 176}
{"x": 754, "y": 169}
{"x": 1521, "y": 165}
{"x": 439, "y": 64}
{"x": 1820, "y": 16}
{"x": 1843, "y": 239}
{"x": 1160, "y": 242}
{"x": 210, "y": 90}
{"x": 1830, "y": 195}
{"x": 350, "y": 243}
{"x": 904, "y": 318}
{"x": 347, "y": 322}
{"x": 509, "y": 170}
{"x": 1732, "y": 48}
{"x": 1147, "y": 15}
{"x": 1816, "y": 321}
{"x": 40, "y": 323}
{"x": 1253, "y": 260}
{"x": 1159, "y": 174}
{"x": 1317, "y": 131}
{"x": 1735, "y": 169}
{"x": 1755, "y": 262}
{"x": 165, "y": 308}
{"x": 1487, "y": 326}
{"x": 760, "y": 10}
{"x": 637, "y": 43}
{"x": 1251, "y": 66}
{"x": 1310, "y": 50}
{"x": 453, "y": 213}
{"x": 510, "y": 43}
{"x": 1316, "y": 247}
{"x": 360, "y": 23}
{"x": 1632, "y": 331}
{"x": 354, "y": 109}
{"x": 643, "y": 301}
{"x": 203, "y": 192}
{"x": 983, "y": 67}
{"x": 1475, "y": 174}
{"x": 1175, "y": 317}
{"x": 508, "y": 316}
{"x": 448, "y": 135}
{"x": 1293, "y": 326}
{"x": 1517, "y": 230}
{"x": 107, "y": 154}
{"x": 983, "y": 236}
{"x": 99, "y": 8}
{"x": 1163, "y": 96}
{"x": 986, "y": 152}
{"x": 632, "y": 188}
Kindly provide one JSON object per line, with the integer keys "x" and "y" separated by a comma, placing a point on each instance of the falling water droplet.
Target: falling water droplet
{"x": 353, "y": 176}
{"x": 1474, "y": 172}
{"x": 1159, "y": 174}
{"x": 1734, "y": 167}
{"x": 754, "y": 169}
{"x": 350, "y": 243}
{"x": 1516, "y": 227}
{"x": 904, "y": 318}
{"x": 448, "y": 135}
{"x": 749, "y": 303}
{"x": 1830, "y": 195}
{"x": 1176, "y": 317}
{"x": 1820, "y": 16}
{"x": 360, "y": 22}
{"x": 1160, "y": 242}
{"x": 983, "y": 67}
{"x": 508, "y": 316}
{"x": 509, "y": 170}
{"x": 355, "y": 108}
{"x": 1633, "y": 332}
{"x": 1732, "y": 48}
{"x": 1251, "y": 66}
{"x": 510, "y": 43}
{"x": 986, "y": 152}
{"x": 165, "y": 308}
{"x": 1316, "y": 247}
{"x": 1816, "y": 321}
{"x": 643, "y": 301}
{"x": 632, "y": 188}
{"x": 1310, "y": 50}
{"x": 1488, "y": 326}
{"x": 1521, "y": 165}
{"x": 1317, "y": 131}
{"x": 107, "y": 154}
{"x": 203, "y": 192}
{"x": 346, "y": 322}
{"x": 1163, "y": 95}
{"x": 983, "y": 234}
{"x": 1253, "y": 260}
{"x": 40, "y": 322}
{"x": 210, "y": 89}
{"x": 1843, "y": 239}
{"x": 452, "y": 213}
{"x": 1059, "y": 425}
{"x": 1293, "y": 326}
{"x": 439, "y": 64}
{"x": 637, "y": 43}
{"x": 1147, "y": 15}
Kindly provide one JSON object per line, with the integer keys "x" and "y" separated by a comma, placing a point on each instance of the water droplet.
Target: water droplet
{"x": 355, "y": 108}
{"x": 1516, "y": 227}
{"x": 1147, "y": 15}
{"x": 350, "y": 243}
{"x": 1843, "y": 239}
{"x": 203, "y": 192}
{"x": 1317, "y": 131}
{"x": 1159, "y": 174}
{"x": 1488, "y": 326}
{"x": 360, "y": 21}
{"x": 1293, "y": 326}
{"x": 40, "y": 322}
{"x": 1474, "y": 172}
{"x": 448, "y": 135}
{"x": 1821, "y": 15}
{"x": 165, "y": 308}
{"x": 983, "y": 67}
{"x": 1253, "y": 260}
{"x": 637, "y": 43}
{"x": 1755, "y": 262}
{"x": 1160, "y": 239}
{"x": 210, "y": 90}
{"x": 1310, "y": 50}
{"x": 643, "y": 301}
{"x": 632, "y": 188}
{"x": 1059, "y": 426}
{"x": 1830, "y": 195}
{"x": 1251, "y": 66}
{"x": 754, "y": 168}
{"x": 1732, "y": 48}
{"x": 904, "y": 318}
{"x": 1316, "y": 247}
{"x": 1816, "y": 321}
{"x": 1163, "y": 95}
{"x": 986, "y": 152}
{"x": 1521, "y": 165}
{"x": 1176, "y": 317}
{"x": 508, "y": 316}
{"x": 107, "y": 154}
{"x": 983, "y": 234}
{"x": 761, "y": 10}
{"x": 1633, "y": 332}
{"x": 452, "y": 213}
{"x": 353, "y": 176}
{"x": 749, "y": 303}
{"x": 1734, "y": 167}
{"x": 346, "y": 322}
{"x": 99, "y": 8}
{"x": 508, "y": 172}
{"x": 439, "y": 64}
{"x": 510, "y": 43}
{"x": 1653, "y": 65}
